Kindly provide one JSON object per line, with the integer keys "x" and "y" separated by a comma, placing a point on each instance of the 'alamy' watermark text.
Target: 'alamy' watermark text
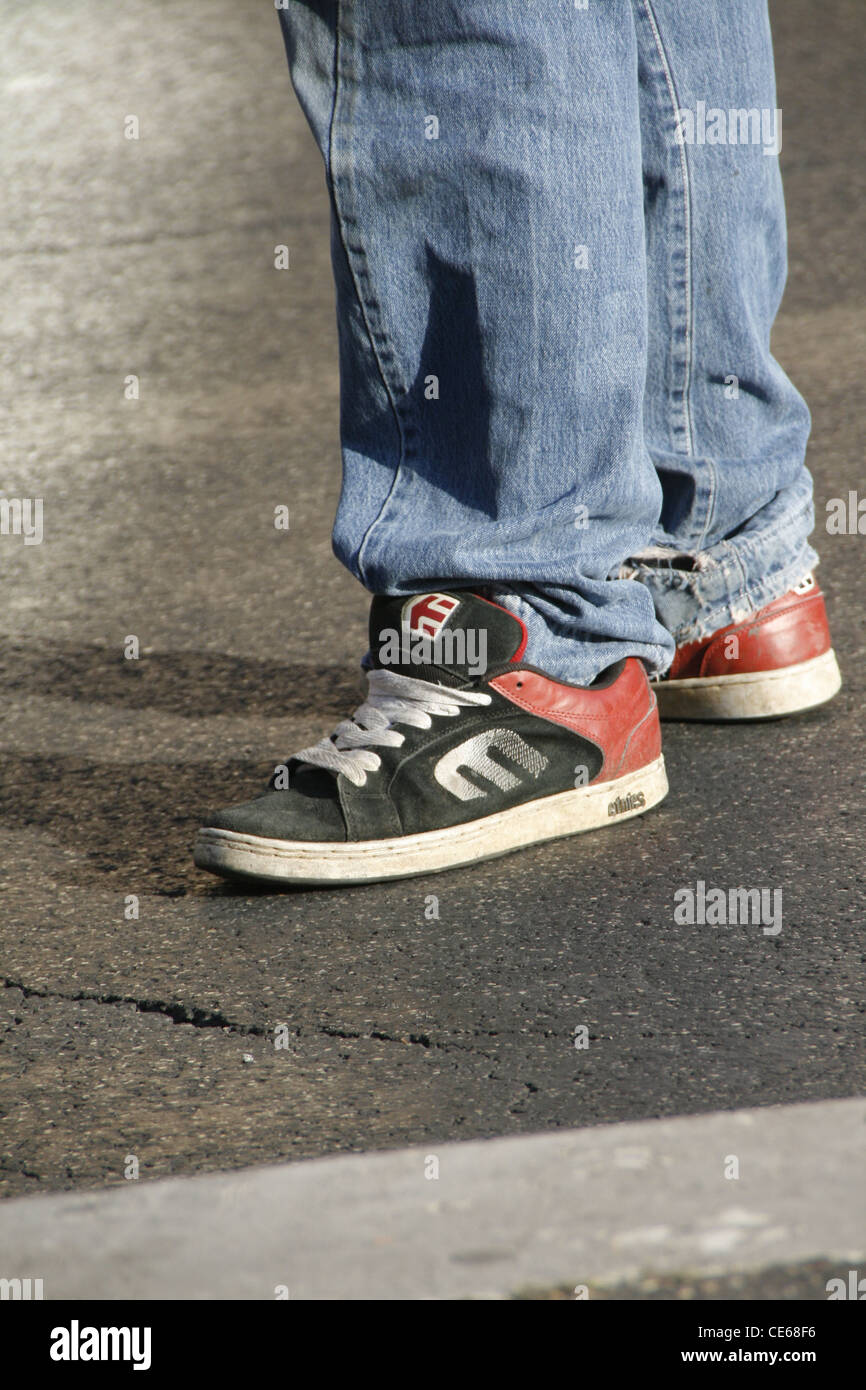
{"x": 738, "y": 126}
{"x": 718, "y": 907}
{"x": 461, "y": 646}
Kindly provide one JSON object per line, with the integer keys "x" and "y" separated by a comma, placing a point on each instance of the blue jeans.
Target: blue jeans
{"x": 558, "y": 241}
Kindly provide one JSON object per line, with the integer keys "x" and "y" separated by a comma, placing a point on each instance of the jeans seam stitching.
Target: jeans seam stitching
{"x": 687, "y": 228}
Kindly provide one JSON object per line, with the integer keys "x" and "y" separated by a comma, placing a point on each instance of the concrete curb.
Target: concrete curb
{"x": 602, "y": 1204}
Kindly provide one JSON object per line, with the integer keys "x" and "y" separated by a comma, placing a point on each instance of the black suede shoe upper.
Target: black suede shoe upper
{"x": 484, "y": 759}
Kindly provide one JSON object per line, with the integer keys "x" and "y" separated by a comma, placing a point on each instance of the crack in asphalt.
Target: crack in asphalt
{"x": 178, "y": 1013}
{"x": 421, "y": 1039}
{"x": 212, "y": 1018}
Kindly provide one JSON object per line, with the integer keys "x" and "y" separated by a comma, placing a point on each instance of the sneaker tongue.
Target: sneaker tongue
{"x": 452, "y": 637}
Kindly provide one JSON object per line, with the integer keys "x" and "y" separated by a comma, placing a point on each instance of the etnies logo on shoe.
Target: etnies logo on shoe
{"x": 474, "y": 756}
{"x": 425, "y": 640}
{"x": 632, "y": 802}
{"x": 429, "y": 613}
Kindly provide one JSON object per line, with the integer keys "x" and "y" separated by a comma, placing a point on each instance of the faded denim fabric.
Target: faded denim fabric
{"x": 558, "y": 242}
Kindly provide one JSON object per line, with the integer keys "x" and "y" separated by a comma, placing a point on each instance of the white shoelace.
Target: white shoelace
{"x": 391, "y": 699}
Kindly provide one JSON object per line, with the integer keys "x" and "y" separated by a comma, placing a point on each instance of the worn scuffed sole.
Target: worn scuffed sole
{"x": 754, "y": 694}
{"x": 369, "y": 861}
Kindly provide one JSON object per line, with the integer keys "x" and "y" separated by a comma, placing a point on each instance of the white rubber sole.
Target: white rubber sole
{"x": 754, "y": 695}
{"x": 371, "y": 861}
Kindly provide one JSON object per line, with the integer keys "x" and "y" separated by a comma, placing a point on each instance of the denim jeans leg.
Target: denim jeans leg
{"x": 484, "y": 167}
{"x": 725, "y": 427}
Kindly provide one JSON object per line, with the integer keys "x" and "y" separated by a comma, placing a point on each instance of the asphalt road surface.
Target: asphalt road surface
{"x": 153, "y": 1037}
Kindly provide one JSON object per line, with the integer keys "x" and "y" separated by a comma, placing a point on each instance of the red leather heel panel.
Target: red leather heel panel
{"x": 774, "y": 638}
{"x": 645, "y": 744}
{"x": 609, "y": 717}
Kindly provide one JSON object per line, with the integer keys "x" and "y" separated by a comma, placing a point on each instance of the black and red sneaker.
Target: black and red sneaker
{"x": 778, "y": 661}
{"x": 462, "y": 751}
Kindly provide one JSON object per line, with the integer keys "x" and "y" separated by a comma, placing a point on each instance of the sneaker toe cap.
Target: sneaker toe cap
{"x": 283, "y": 815}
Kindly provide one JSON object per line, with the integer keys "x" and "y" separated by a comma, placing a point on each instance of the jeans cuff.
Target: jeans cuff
{"x": 696, "y": 594}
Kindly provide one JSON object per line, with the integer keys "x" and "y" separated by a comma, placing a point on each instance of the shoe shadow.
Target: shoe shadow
{"x": 134, "y": 823}
{"x": 192, "y": 683}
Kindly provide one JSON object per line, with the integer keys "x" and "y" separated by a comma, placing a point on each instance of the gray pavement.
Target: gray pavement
{"x": 131, "y": 1037}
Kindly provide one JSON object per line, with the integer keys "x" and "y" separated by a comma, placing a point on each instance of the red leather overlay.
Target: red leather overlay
{"x": 792, "y": 629}
{"x": 621, "y": 719}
